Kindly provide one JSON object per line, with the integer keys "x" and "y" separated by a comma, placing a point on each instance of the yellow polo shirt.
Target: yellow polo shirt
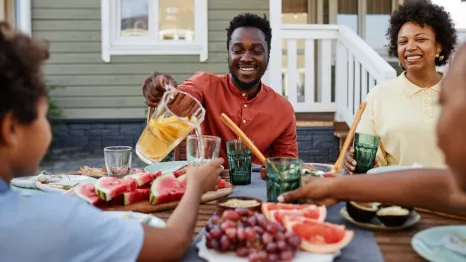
{"x": 405, "y": 117}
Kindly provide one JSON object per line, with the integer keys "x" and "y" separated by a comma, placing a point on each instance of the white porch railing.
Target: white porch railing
{"x": 329, "y": 68}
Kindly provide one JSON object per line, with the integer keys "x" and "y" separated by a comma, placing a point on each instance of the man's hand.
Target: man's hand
{"x": 263, "y": 172}
{"x": 154, "y": 87}
{"x": 205, "y": 177}
{"x": 314, "y": 190}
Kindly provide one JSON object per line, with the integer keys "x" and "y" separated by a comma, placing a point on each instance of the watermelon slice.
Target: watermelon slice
{"x": 220, "y": 184}
{"x": 141, "y": 178}
{"x": 277, "y": 211}
{"x": 319, "y": 237}
{"x": 140, "y": 194}
{"x": 108, "y": 188}
{"x": 86, "y": 192}
{"x": 179, "y": 172}
{"x": 166, "y": 189}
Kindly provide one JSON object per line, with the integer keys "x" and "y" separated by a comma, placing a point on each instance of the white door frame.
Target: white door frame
{"x": 24, "y": 16}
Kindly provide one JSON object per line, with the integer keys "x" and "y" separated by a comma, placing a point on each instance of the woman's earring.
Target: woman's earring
{"x": 440, "y": 57}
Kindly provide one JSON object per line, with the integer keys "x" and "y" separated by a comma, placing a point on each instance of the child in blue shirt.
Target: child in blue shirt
{"x": 52, "y": 227}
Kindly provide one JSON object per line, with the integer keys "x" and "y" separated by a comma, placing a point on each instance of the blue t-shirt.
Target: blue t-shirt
{"x": 57, "y": 228}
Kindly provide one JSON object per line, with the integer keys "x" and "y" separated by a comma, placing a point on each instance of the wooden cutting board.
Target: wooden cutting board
{"x": 145, "y": 207}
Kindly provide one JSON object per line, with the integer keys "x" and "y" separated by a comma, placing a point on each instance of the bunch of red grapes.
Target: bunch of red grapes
{"x": 251, "y": 235}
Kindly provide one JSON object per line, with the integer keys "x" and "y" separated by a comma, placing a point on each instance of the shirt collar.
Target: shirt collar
{"x": 411, "y": 89}
{"x": 236, "y": 91}
{"x": 4, "y": 186}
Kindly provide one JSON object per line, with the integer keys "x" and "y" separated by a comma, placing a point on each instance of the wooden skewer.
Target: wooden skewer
{"x": 241, "y": 135}
{"x": 338, "y": 164}
{"x": 454, "y": 216}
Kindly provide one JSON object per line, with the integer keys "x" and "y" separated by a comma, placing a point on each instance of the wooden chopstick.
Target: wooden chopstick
{"x": 349, "y": 138}
{"x": 233, "y": 127}
{"x": 454, "y": 216}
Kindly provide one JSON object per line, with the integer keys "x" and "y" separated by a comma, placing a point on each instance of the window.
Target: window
{"x": 154, "y": 27}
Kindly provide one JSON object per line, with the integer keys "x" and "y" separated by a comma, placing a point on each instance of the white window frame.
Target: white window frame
{"x": 113, "y": 44}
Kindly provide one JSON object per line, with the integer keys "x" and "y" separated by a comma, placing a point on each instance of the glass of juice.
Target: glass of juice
{"x": 365, "y": 151}
{"x": 283, "y": 175}
{"x": 239, "y": 161}
{"x": 175, "y": 117}
{"x": 201, "y": 149}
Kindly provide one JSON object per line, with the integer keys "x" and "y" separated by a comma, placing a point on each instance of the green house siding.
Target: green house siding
{"x": 92, "y": 89}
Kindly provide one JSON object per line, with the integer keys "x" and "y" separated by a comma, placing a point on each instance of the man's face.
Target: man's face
{"x": 247, "y": 57}
{"x": 451, "y": 126}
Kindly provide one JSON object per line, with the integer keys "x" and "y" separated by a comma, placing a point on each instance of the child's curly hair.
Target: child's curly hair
{"x": 21, "y": 78}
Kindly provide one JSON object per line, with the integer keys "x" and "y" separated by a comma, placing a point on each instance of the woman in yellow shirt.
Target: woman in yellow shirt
{"x": 404, "y": 111}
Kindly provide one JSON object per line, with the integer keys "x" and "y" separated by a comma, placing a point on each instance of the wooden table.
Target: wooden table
{"x": 395, "y": 246}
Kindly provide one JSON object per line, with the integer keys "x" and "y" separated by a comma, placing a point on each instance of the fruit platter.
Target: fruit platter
{"x": 379, "y": 216}
{"x": 143, "y": 192}
{"x": 279, "y": 232}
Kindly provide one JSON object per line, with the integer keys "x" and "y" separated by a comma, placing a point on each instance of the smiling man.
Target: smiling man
{"x": 264, "y": 115}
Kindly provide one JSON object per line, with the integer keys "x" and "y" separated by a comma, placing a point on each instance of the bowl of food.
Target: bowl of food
{"x": 393, "y": 216}
{"x": 385, "y": 169}
{"x": 232, "y": 203}
{"x": 319, "y": 170}
{"x": 362, "y": 212}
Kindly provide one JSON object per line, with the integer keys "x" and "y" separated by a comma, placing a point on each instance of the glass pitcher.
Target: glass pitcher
{"x": 175, "y": 117}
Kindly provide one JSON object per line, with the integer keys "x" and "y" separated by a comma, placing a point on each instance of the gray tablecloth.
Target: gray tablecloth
{"x": 362, "y": 248}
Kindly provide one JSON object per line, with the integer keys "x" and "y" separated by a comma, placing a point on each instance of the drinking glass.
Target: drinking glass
{"x": 283, "y": 175}
{"x": 176, "y": 116}
{"x": 118, "y": 160}
{"x": 365, "y": 151}
{"x": 202, "y": 149}
{"x": 239, "y": 161}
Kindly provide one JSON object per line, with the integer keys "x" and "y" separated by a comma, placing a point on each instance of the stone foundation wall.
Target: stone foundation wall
{"x": 316, "y": 144}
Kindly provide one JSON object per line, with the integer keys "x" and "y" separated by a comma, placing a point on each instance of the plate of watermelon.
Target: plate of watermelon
{"x": 144, "y": 192}
{"x": 282, "y": 232}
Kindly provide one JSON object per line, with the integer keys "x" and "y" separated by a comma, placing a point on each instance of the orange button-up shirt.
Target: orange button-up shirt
{"x": 268, "y": 119}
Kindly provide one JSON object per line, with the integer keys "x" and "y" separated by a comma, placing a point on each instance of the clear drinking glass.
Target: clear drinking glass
{"x": 118, "y": 160}
{"x": 239, "y": 162}
{"x": 202, "y": 149}
{"x": 283, "y": 175}
{"x": 176, "y": 116}
{"x": 365, "y": 151}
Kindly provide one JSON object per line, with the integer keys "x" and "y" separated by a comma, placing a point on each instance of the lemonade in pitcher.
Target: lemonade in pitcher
{"x": 177, "y": 115}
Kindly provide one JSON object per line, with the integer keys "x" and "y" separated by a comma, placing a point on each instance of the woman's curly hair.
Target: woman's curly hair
{"x": 21, "y": 78}
{"x": 422, "y": 12}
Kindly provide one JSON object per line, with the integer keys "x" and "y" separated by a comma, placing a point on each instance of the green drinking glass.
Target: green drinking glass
{"x": 365, "y": 151}
{"x": 239, "y": 161}
{"x": 283, "y": 175}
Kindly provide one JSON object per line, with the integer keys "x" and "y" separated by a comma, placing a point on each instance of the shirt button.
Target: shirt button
{"x": 427, "y": 101}
{"x": 245, "y": 105}
{"x": 428, "y": 91}
{"x": 244, "y": 121}
{"x": 428, "y": 111}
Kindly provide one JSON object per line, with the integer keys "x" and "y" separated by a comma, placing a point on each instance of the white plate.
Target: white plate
{"x": 431, "y": 245}
{"x": 384, "y": 169}
{"x": 30, "y": 185}
{"x": 152, "y": 220}
{"x": 377, "y": 225}
{"x": 167, "y": 167}
{"x": 300, "y": 256}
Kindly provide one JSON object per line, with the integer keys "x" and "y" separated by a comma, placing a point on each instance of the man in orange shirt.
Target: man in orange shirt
{"x": 263, "y": 115}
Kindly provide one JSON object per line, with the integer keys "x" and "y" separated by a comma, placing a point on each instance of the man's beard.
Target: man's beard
{"x": 243, "y": 86}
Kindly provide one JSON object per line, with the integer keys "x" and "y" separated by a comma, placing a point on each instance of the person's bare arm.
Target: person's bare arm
{"x": 425, "y": 188}
{"x": 172, "y": 242}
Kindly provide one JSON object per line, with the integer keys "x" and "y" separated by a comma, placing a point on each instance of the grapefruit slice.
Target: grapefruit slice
{"x": 276, "y": 211}
{"x": 319, "y": 237}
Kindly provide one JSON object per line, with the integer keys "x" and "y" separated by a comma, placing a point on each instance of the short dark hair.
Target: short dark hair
{"x": 422, "y": 12}
{"x": 21, "y": 79}
{"x": 250, "y": 20}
